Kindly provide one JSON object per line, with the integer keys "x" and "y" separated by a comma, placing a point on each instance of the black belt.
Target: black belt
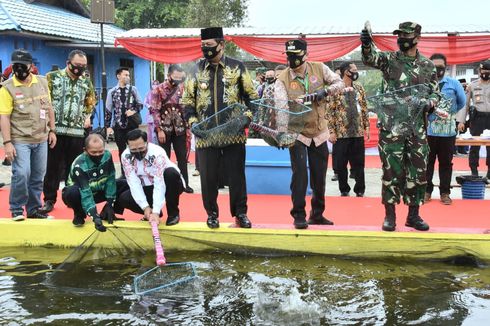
{"x": 482, "y": 113}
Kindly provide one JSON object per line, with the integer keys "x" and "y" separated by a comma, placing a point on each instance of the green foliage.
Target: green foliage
{"x": 150, "y": 13}
{"x": 208, "y": 13}
{"x": 178, "y": 13}
{"x": 371, "y": 81}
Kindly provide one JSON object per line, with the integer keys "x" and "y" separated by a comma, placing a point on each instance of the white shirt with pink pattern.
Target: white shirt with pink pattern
{"x": 148, "y": 172}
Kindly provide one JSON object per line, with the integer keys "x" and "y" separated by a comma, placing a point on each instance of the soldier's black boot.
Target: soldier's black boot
{"x": 414, "y": 220}
{"x": 390, "y": 218}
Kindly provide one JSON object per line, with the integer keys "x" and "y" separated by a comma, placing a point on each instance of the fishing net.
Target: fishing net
{"x": 104, "y": 264}
{"x": 222, "y": 127}
{"x": 163, "y": 275}
{"x": 401, "y": 111}
{"x": 160, "y": 278}
{"x": 278, "y": 122}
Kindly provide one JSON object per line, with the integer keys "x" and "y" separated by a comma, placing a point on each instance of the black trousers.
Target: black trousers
{"x": 71, "y": 197}
{"x": 350, "y": 150}
{"x": 180, "y": 148}
{"x": 232, "y": 158}
{"x": 174, "y": 188}
{"x": 334, "y": 162}
{"x": 442, "y": 149}
{"x": 478, "y": 124}
{"x": 317, "y": 157}
{"x": 60, "y": 159}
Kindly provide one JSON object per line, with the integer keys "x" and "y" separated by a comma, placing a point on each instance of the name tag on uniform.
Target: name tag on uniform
{"x": 43, "y": 114}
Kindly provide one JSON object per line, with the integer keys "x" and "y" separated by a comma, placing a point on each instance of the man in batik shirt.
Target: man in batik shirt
{"x": 123, "y": 104}
{"x": 73, "y": 98}
{"x": 348, "y": 122}
{"x": 91, "y": 180}
{"x": 217, "y": 82}
{"x": 168, "y": 116}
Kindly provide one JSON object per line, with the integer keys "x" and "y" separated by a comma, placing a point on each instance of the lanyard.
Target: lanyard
{"x": 305, "y": 82}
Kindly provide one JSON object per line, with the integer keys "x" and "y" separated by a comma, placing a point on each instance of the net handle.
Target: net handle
{"x": 158, "y": 244}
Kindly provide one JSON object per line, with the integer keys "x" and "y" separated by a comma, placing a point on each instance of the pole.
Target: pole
{"x": 104, "y": 75}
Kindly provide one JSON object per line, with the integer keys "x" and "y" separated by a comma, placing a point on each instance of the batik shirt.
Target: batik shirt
{"x": 73, "y": 101}
{"x": 212, "y": 88}
{"x": 148, "y": 172}
{"x": 347, "y": 114}
{"x": 167, "y": 112}
{"x": 93, "y": 178}
{"x": 118, "y": 101}
{"x": 454, "y": 99}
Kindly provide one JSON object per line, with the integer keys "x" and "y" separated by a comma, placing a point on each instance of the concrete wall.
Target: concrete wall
{"x": 47, "y": 56}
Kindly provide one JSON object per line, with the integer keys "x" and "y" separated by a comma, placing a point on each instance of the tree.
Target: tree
{"x": 208, "y": 13}
{"x": 178, "y": 13}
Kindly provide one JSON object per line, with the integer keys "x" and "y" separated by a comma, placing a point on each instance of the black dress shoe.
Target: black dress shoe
{"x": 48, "y": 207}
{"x": 172, "y": 220}
{"x": 344, "y": 194}
{"x": 2, "y": 184}
{"x": 335, "y": 177}
{"x": 319, "y": 221}
{"x": 212, "y": 222}
{"x": 189, "y": 190}
{"x": 242, "y": 221}
{"x": 300, "y": 223}
{"x": 6, "y": 162}
{"x": 359, "y": 194}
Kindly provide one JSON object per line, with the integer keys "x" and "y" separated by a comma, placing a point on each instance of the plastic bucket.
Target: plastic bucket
{"x": 473, "y": 187}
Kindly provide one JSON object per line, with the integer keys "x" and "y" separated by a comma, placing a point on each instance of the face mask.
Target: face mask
{"x": 174, "y": 82}
{"x": 295, "y": 61}
{"x": 76, "y": 70}
{"x": 96, "y": 158}
{"x": 405, "y": 43}
{"x": 485, "y": 76}
{"x": 21, "y": 71}
{"x": 139, "y": 155}
{"x": 440, "y": 72}
{"x": 353, "y": 75}
{"x": 210, "y": 52}
{"x": 270, "y": 80}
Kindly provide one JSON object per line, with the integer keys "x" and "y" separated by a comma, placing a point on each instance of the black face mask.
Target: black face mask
{"x": 76, "y": 70}
{"x": 210, "y": 52}
{"x": 353, "y": 75}
{"x": 174, "y": 82}
{"x": 270, "y": 80}
{"x": 440, "y": 72}
{"x": 21, "y": 71}
{"x": 295, "y": 61}
{"x": 406, "y": 43}
{"x": 96, "y": 158}
{"x": 485, "y": 76}
{"x": 139, "y": 155}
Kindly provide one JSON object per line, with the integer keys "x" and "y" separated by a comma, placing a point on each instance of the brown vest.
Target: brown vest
{"x": 26, "y": 124}
{"x": 315, "y": 122}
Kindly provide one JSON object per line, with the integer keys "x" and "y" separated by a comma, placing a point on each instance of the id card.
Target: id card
{"x": 43, "y": 114}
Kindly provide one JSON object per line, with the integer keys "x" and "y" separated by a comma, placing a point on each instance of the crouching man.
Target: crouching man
{"x": 92, "y": 179}
{"x": 151, "y": 180}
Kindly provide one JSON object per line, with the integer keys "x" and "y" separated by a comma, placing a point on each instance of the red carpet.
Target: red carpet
{"x": 347, "y": 213}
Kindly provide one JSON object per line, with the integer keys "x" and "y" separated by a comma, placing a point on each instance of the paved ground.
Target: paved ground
{"x": 373, "y": 180}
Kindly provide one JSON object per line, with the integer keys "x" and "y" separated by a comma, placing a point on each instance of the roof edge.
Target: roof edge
{"x": 17, "y": 25}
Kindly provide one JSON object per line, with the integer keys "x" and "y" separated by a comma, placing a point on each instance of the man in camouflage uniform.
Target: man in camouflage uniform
{"x": 218, "y": 82}
{"x": 404, "y": 157}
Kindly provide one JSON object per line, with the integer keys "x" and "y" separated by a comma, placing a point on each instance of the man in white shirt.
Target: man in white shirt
{"x": 152, "y": 179}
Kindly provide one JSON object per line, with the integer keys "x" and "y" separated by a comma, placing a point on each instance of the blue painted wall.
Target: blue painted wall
{"x": 46, "y": 56}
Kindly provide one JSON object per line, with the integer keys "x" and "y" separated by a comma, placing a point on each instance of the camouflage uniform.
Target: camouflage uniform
{"x": 404, "y": 158}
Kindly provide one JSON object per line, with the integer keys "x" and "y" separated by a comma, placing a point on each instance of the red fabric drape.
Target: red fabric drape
{"x": 165, "y": 50}
{"x": 457, "y": 49}
{"x": 319, "y": 48}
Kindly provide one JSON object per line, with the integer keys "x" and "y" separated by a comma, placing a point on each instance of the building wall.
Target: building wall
{"x": 46, "y": 56}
